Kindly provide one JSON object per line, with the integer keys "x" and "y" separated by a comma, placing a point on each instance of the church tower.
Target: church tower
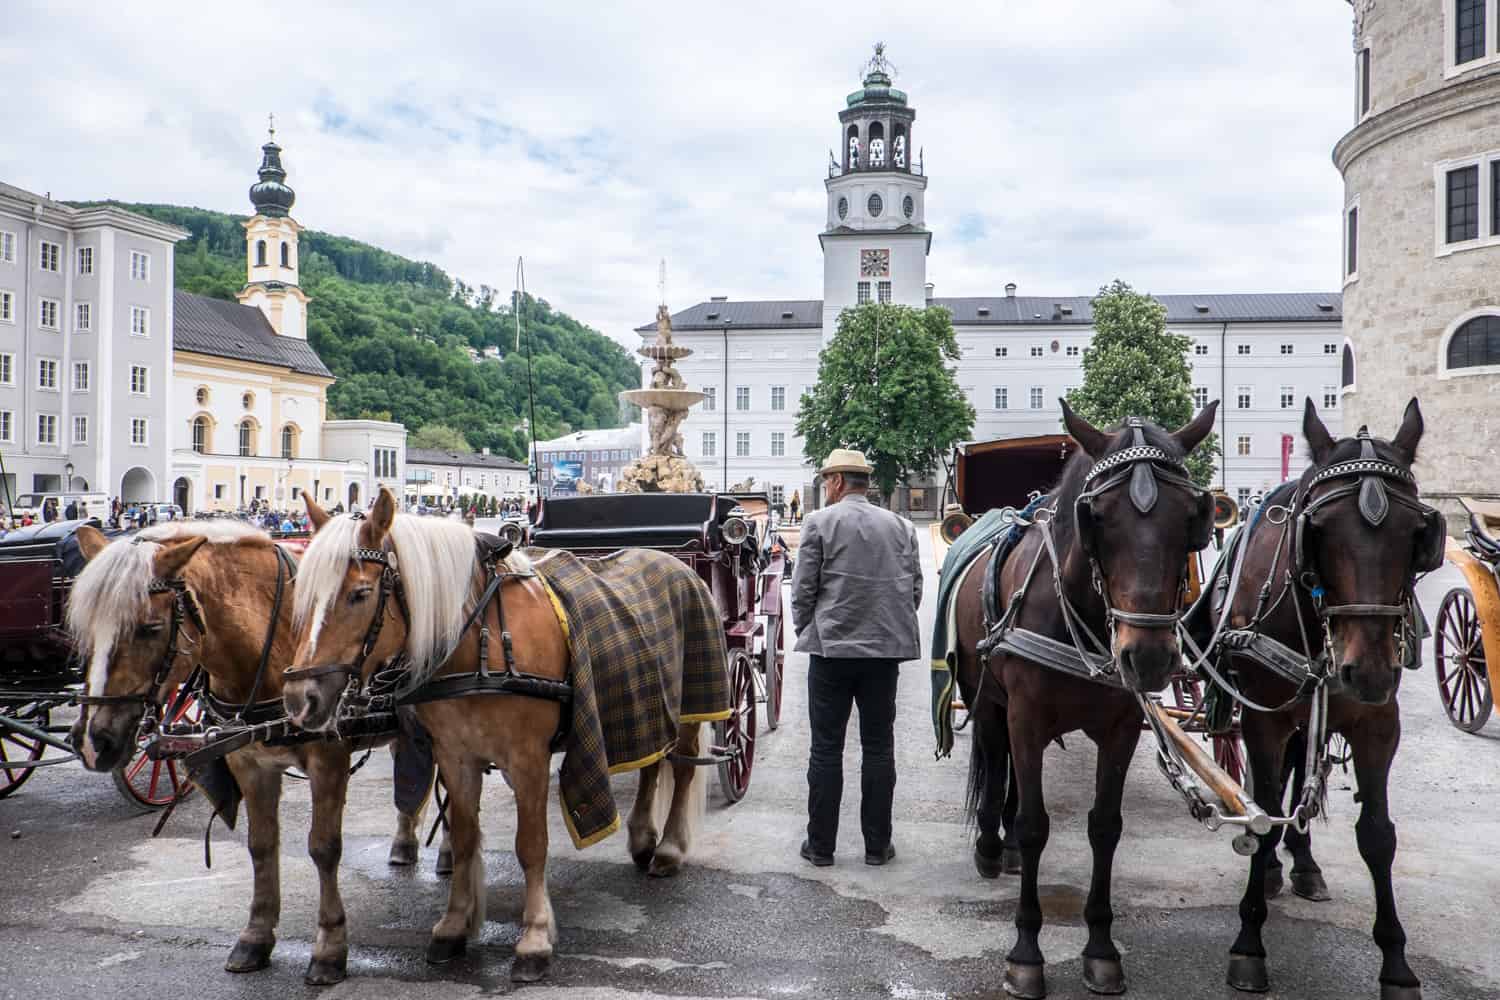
{"x": 271, "y": 248}
{"x": 875, "y": 240}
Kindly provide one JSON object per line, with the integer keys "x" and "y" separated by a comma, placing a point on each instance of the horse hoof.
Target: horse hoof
{"x": 1390, "y": 991}
{"x": 529, "y": 968}
{"x": 326, "y": 972}
{"x": 1247, "y": 973}
{"x": 1275, "y": 881}
{"x": 441, "y": 951}
{"x": 1310, "y": 885}
{"x": 664, "y": 866}
{"x": 1029, "y": 982}
{"x": 403, "y": 854}
{"x": 987, "y": 866}
{"x": 1103, "y": 975}
{"x": 444, "y": 862}
{"x": 249, "y": 956}
{"x": 1010, "y": 861}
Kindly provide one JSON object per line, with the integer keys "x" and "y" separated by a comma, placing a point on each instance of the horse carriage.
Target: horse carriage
{"x": 1466, "y": 638}
{"x": 728, "y": 541}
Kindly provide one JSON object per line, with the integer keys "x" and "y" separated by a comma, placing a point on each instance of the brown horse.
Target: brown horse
{"x": 1108, "y": 558}
{"x": 353, "y": 616}
{"x": 1328, "y": 570}
{"x": 143, "y": 612}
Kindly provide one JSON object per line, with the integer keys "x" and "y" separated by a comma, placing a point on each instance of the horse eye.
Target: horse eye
{"x": 360, "y": 594}
{"x": 146, "y": 630}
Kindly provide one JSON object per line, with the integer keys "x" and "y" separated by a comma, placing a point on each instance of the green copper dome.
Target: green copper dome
{"x": 270, "y": 195}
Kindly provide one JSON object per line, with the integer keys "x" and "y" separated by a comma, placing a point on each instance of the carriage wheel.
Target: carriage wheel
{"x": 16, "y": 748}
{"x": 773, "y": 665}
{"x": 155, "y": 783}
{"x": 1229, "y": 753}
{"x": 1462, "y": 674}
{"x": 736, "y": 734}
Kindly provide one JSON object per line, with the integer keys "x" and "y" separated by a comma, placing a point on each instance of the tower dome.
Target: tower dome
{"x": 270, "y": 195}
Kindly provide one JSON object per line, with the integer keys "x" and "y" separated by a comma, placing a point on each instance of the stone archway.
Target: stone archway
{"x": 354, "y": 496}
{"x": 138, "y": 485}
{"x": 182, "y": 494}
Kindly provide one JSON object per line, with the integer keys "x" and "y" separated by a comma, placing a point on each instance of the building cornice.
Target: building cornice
{"x": 1479, "y": 91}
{"x": 54, "y": 213}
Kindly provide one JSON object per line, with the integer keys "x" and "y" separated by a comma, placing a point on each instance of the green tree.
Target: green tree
{"x": 884, "y": 387}
{"x": 1134, "y": 368}
{"x": 439, "y": 437}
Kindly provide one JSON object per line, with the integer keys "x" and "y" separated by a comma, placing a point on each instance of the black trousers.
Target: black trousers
{"x": 834, "y": 685}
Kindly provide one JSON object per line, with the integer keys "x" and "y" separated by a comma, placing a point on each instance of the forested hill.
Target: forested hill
{"x": 394, "y": 331}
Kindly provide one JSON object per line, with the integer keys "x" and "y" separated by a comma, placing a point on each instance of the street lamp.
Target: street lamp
{"x": 725, "y": 485}
{"x": 68, "y": 469}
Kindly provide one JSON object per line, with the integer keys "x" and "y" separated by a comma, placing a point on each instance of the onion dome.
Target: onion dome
{"x": 270, "y": 195}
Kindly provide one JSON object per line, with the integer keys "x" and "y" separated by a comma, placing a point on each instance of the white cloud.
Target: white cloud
{"x": 1179, "y": 144}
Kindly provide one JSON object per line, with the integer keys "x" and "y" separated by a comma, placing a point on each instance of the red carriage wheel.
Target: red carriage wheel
{"x": 773, "y": 666}
{"x": 18, "y": 748}
{"x": 1229, "y": 753}
{"x": 736, "y": 734}
{"x": 154, "y": 783}
{"x": 1458, "y": 662}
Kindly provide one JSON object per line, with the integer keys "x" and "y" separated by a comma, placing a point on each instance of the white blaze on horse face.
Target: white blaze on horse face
{"x": 312, "y": 631}
{"x": 98, "y": 672}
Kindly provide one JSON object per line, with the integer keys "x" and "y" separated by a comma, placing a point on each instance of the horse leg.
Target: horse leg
{"x": 261, "y": 788}
{"x": 642, "y": 822}
{"x": 1293, "y": 764}
{"x": 1265, "y": 738}
{"x": 1010, "y": 858}
{"x": 683, "y": 817}
{"x": 1102, "y": 969}
{"x": 328, "y": 778}
{"x": 1024, "y": 965}
{"x": 989, "y": 756}
{"x": 1307, "y": 876}
{"x": 529, "y": 778}
{"x": 464, "y": 778}
{"x": 1374, "y": 745}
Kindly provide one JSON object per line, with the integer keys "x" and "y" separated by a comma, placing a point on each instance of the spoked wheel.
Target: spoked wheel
{"x": 1229, "y": 753}
{"x": 736, "y": 734}
{"x": 18, "y": 748}
{"x": 154, "y": 783}
{"x": 773, "y": 666}
{"x": 1462, "y": 674}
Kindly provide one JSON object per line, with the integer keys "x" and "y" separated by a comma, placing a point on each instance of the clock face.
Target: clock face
{"x": 908, "y": 206}
{"x": 843, "y": 207}
{"x": 874, "y": 263}
{"x": 874, "y": 205}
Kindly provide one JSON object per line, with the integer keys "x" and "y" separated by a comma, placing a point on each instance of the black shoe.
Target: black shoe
{"x": 817, "y": 860}
{"x": 881, "y": 857}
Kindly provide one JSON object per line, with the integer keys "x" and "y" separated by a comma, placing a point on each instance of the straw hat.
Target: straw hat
{"x": 845, "y": 460}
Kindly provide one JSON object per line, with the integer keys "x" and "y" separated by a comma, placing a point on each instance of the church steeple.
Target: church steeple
{"x": 271, "y": 247}
{"x": 271, "y": 196}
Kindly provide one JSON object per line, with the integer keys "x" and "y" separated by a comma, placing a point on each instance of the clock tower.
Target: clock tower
{"x": 875, "y": 239}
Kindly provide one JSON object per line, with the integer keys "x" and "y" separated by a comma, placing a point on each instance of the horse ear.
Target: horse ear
{"x": 1090, "y": 438}
{"x": 317, "y": 515}
{"x": 383, "y": 513}
{"x": 1192, "y": 433}
{"x": 91, "y": 541}
{"x": 170, "y": 560}
{"x": 1319, "y": 441}
{"x": 1410, "y": 434}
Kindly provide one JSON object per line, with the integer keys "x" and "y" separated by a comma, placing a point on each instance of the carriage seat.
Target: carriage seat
{"x": 624, "y": 520}
{"x": 1484, "y": 526}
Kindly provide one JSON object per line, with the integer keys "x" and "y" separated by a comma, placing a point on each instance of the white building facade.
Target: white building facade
{"x": 446, "y": 475}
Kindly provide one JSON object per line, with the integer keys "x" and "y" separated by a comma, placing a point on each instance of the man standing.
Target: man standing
{"x": 855, "y": 592}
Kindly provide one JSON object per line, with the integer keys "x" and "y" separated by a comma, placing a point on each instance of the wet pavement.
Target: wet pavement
{"x": 90, "y": 905}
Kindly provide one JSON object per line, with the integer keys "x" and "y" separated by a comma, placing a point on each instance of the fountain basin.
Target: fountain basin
{"x": 667, "y": 399}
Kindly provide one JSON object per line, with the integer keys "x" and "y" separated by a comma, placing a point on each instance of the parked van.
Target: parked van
{"x": 94, "y": 505}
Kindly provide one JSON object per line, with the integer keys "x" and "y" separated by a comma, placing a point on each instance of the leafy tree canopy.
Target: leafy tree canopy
{"x": 437, "y": 436}
{"x": 885, "y": 388}
{"x": 1134, "y": 368}
{"x": 394, "y": 332}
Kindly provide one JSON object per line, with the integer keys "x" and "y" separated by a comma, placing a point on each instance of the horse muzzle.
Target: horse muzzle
{"x": 104, "y": 740}
{"x": 311, "y": 695}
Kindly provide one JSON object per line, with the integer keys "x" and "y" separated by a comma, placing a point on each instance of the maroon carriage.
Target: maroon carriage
{"x": 730, "y": 541}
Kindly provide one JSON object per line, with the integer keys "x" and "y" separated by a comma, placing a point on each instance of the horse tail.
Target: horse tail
{"x": 979, "y": 772}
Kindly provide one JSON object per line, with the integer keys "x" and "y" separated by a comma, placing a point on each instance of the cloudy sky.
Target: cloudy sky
{"x": 1181, "y": 144}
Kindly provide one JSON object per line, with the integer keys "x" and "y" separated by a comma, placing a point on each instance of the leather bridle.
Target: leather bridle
{"x": 184, "y": 607}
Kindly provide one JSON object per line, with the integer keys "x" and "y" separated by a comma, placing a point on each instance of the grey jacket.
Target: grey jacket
{"x": 857, "y": 583}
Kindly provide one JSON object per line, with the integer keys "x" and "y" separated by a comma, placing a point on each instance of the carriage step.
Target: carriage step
{"x": 716, "y": 755}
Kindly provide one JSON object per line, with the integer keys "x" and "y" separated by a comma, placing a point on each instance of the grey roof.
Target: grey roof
{"x": 1272, "y": 307}
{"x": 436, "y": 456}
{"x": 230, "y": 330}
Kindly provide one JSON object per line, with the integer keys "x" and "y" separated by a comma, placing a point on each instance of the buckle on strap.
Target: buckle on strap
{"x": 322, "y": 670}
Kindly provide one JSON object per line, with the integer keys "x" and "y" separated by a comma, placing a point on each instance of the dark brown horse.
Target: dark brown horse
{"x": 1328, "y": 571}
{"x": 1115, "y": 541}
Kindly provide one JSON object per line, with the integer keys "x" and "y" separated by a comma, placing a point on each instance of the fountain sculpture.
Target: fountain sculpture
{"x": 664, "y": 468}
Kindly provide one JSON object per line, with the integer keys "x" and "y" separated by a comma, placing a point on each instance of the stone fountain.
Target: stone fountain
{"x": 664, "y": 468}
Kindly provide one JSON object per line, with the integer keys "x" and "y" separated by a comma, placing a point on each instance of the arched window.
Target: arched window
{"x": 248, "y": 400}
{"x": 247, "y": 437}
{"x": 289, "y": 441}
{"x": 851, "y": 148}
{"x": 260, "y": 253}
{"x": 286, "y": 255}
{"x": 201, "y": 435}
{"x": 1347, "y": 379}
{"x": 1475, "y": 344}
{"x": 201, "y": 395}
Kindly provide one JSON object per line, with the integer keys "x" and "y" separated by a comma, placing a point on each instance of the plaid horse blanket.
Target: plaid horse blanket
{"x": 648, "y": 653}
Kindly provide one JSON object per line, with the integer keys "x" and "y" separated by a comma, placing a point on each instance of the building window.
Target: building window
{"x": 288, "y": 441}
{"x": 862, "y": 293}
{"x": 710, "y": 444}
{"x": 286, "y": 259}
{"x": 248, "y": 400}
{"x": 7, "y": 369}
{"x": 200, "y": 435}
{"x": 7, "y": 307}
{"x": 1495, "y": 198}
{"x": 1468, "y": 42}
{"x": 1463, "y": 204}
{"x": 1002, "y": 397}
{"x": 1364, "y": 81}
{"x": 47, "y": 315}
{"x": 1475, "y": 344}
{"x": 1288, "y": 349}
{"x": 83, "y": 317}
{"x": 778, "y": 397}
{"x": 80, "y": 376}
{"x": 1036, "y": 351}
{"x": 710, "y": 398}
{"x": 46, "y": 374}
{"x": 742, "y": 397}
{"x": 201, "y": 395}
{"x": 260, "y": 253}
{"x": 1200, "y": 396}
{"x": 778, "y": 444}
{"x": 1346, "y": 372}
{"x": 1036, "y": 397}
{"x": 48, "y": 258}
{"x": 1001, "y": 352}
{"x": 140, "y": 321}
{"x": 1288, "y": 397}
{"x": 80, "y": 430}
{"x": 1330, "y": 397}
{"x": 883, "y": 291}
{"x": 1242, "y": 445}
{"x": 1242, "y": 349}
{"x": 1244, "y": 499}
{"x": 7, "y": 248}
{"x": 1200, "y": 350}
{"x": 1351, "y": 248}
{"x": 8, "y": 426}
{"x": 778, "y": 494}
{"x": 385, "y": 464}
{"x": 1072, "y": 350}
{"x": 1242, "y": 397}
{"x": 247, "y": 438}
{"x": 1330, "y": 348}
{"x": 140, "y": 380}
{"x": 138, "y": 427}
{"x": 260, "y": 492}
{"x": 742, "y": 444}
{"x": 85, "y": 260}
{"x": 140, "y": 266}
{"x": 46, "y": 428}
{"x": 219, "y": 490}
